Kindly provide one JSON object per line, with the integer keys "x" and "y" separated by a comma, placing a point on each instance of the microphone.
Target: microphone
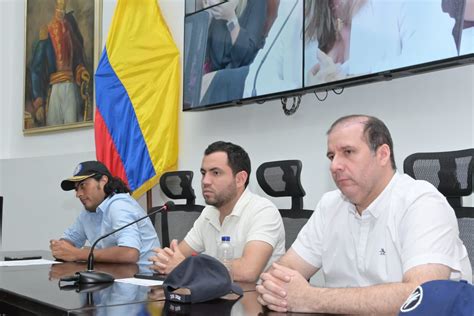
{"x": 84, "y": 287}
{"x": 254, "y": 88}
{"x": 90, "y": 276}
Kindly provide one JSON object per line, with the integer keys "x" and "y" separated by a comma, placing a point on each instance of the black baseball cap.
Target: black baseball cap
{"x": 203, "y": 278}
{"x": 83, "y": 171}
{"x": 214, "y": 307}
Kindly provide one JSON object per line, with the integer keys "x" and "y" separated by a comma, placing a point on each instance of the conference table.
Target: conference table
{"x": 36, "y": 290}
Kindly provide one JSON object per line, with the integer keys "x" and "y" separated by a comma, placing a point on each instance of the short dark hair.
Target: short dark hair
{"x": 375, "y": 131}
{"x": 114, "y": 185}
{"x": 237, "y": 158}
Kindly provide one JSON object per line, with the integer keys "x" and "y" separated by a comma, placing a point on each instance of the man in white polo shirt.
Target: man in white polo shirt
{"x": 375, "y": 239}
{"x": 253, "y": 223}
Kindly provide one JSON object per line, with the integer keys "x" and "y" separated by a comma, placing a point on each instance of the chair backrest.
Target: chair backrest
{"x": 293, "y": 221}
{"x": 280, "y": 179}
{"x": 175, "y": 223}
{"x": 178, "y": 185}
{"x": 466, "y": 233}
{"x": 449, "y": 171}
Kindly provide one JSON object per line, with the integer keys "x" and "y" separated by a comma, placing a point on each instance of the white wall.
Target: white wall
{"x": 424, "y": 113}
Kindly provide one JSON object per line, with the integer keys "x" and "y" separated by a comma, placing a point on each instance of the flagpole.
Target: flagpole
{"x": 149, "y": 200}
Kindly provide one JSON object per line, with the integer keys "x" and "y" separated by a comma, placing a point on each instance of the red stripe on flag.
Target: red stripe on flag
{"x": 106, "y": 152}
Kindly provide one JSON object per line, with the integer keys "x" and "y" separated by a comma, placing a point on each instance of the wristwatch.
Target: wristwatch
{"x": 232, "y": 24}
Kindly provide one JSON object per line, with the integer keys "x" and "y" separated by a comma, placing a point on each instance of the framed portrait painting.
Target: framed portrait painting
{"x": 61, "y": 54}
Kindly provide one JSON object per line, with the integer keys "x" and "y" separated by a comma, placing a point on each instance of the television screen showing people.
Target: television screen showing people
{"x": 242, "y": 50}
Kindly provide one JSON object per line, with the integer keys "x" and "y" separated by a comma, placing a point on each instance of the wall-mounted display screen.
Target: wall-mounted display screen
{"x": 192, "y": 6}
{"x": 240, "y": 51}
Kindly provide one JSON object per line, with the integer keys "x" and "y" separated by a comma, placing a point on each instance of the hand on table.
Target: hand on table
{"x": 166, "y": 259}
{"x": 281, "y": 289}
{"x": 64, "y": 250}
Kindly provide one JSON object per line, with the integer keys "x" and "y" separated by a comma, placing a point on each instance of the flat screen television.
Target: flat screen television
{"x": 244, "y": 51}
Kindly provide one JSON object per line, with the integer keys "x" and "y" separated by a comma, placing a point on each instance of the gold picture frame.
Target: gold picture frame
{"x": 62, "y": 47}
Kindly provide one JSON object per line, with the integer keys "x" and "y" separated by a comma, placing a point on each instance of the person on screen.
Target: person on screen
{"x": 345, "y": 38}
{"x": 253, "y": 223}
{"x": 235, "y": 33}
{"x": 276, "y": 67}
{"x": 375, "y": 239}
{"x": 107, "y": 206}
{"x": 467, "y": 38}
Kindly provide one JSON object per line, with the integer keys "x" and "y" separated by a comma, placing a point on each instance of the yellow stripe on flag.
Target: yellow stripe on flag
{"x": 145, "y": 58}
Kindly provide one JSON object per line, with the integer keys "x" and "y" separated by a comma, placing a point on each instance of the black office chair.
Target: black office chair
{"x": 175, "y": 223}
{"x": 282, "y": 179}
{"x": 451, "y": 172}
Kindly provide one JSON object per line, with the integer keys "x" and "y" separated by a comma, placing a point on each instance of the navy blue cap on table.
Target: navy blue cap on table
{"x": 83, "y": 171}
{"x": 214, "y": 307}
{"x": 198, "y": 279}
{"x": 441, "y": 298}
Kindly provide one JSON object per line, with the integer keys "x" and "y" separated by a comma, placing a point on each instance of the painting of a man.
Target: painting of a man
{"x": 59, "y": 65}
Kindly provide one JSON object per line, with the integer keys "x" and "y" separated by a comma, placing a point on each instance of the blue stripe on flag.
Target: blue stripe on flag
{"x": 118, "y": 113}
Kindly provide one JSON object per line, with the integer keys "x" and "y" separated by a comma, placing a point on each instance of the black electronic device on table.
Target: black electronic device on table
{"x": 9, "y": 258}
{"x": 151, "y": 276}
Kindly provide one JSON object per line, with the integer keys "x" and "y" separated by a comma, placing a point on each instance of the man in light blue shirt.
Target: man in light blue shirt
{"x": 107, "y": 206}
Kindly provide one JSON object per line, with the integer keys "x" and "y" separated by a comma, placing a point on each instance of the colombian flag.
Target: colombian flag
{"x": 137, "y": 96}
